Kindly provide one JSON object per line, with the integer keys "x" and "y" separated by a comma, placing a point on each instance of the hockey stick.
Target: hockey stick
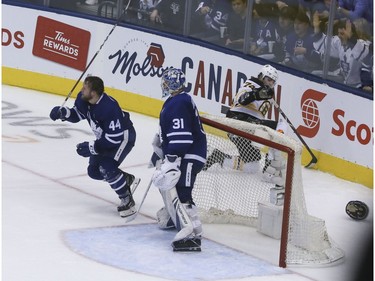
{"x": 95, "y": 55}
{"x": 314, "y": 160}
{"x": 132, "y": 217}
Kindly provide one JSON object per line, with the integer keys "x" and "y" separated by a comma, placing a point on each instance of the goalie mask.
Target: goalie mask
{"x": 270, "y": 72}
{"x": 357, "y": 210}
{"x": 172, "y": 80}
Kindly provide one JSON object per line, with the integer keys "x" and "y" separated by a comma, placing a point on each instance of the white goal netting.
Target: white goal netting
{"x": 232, "y": 184}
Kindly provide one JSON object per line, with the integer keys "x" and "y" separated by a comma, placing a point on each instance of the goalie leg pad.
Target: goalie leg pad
{"x": 164, "y": 219}
{"x": 190, "y": 229}
{"x": 192, "y": 212}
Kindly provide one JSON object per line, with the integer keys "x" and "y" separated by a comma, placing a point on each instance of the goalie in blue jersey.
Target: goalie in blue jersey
{"x": 115, "y": 138}
{"x": 182, "y": 146}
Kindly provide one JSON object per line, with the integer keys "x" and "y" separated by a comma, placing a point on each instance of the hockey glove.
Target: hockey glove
{"x": 86, "y": 149}
{"x": 246, "y": 98}
{"x": 59, "y": 112}
{"x": 158, "y": 154}
{"x": 264, "y": 93}
{"x": 169, "y": 173}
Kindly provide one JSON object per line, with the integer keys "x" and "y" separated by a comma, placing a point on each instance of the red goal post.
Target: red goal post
{"x": 230, "y": 195}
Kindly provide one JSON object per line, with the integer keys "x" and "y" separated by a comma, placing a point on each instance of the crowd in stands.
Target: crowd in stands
{"x": 306, "y": 35}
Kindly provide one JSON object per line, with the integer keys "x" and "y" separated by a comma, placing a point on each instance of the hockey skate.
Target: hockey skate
{"x": 216, "y": 156}
{"x": 127, "y": 206}
{"x": 190, "y": 244}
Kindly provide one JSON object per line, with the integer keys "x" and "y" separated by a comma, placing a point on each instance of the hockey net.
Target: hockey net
{"x": 229, "y": 190}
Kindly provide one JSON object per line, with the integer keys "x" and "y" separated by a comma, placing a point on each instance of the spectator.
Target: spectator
{"x": 212, "y": 15}
{"x": 288, "y": 3}
{"x": 236, "y": 24}
{"x": 357, "y": 9}
{"x": 285, "y": 27}
{"x": 144, "y": 9}
{"x": 354, "y": 9}
{"x": 170, "y": 15}
{"x": 354, "y": 55}
{"x": 264, "y": 32}
{"x": 309, "y": 6}
{"x": 300, "y": 52}
{"x": 367, "y": 74}
{"x": 280, "y": 4}
{"x": 320, "y": 38}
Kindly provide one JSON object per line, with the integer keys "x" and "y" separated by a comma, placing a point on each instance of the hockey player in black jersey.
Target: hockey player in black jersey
{"x": 182, "y": 145}
{"x": 115, "y": 138}
{"x": 251, "y": 104}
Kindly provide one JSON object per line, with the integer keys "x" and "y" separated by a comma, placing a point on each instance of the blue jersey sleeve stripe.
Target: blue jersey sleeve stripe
{"x": 181, "y": 141}
{"x": 179, "y": 134}
{"x": 108, "y": 138}
{"x": 115, "y": 135}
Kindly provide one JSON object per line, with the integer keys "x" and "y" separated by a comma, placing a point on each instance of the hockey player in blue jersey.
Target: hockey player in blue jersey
{"x": 182, "y": 145}
{"x": 115, "y": 138}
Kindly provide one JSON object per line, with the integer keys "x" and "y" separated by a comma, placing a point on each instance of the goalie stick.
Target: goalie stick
{"x": 95, "y": 55}
{"x": 314, "y": 160}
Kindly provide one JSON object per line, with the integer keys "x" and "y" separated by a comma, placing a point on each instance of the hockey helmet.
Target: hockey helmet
{"x": 172, "y": 80}
{"x": 270, "y": 71}
{"x": 357, "y": 210}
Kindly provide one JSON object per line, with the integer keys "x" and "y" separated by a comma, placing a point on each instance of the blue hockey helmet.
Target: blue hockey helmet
{"x": 172, "y": 80}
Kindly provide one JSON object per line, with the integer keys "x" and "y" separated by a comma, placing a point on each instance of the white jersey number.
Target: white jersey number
{"x": 113, "y": 126}
{"x": 178, "y": 123}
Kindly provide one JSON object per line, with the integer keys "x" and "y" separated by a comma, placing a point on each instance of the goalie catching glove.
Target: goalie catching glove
{"x": 169, "y": 173}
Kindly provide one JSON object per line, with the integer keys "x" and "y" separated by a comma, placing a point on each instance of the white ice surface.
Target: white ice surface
{"x": 47, "y": 194}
